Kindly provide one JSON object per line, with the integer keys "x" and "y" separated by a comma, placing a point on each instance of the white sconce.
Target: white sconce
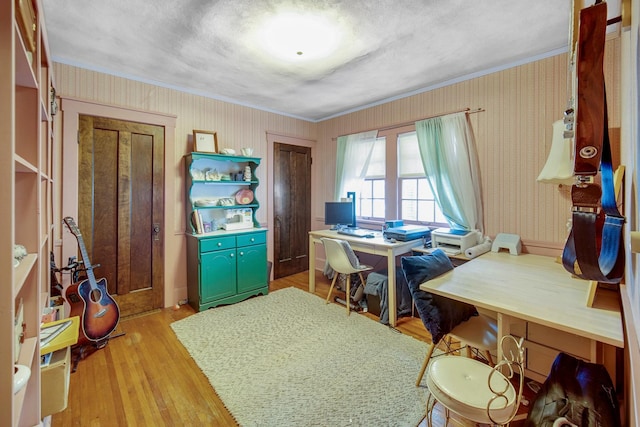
{"x": 559, "y": 166}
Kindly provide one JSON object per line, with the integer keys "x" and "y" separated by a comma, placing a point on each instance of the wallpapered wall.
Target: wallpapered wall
{"x": 236, "y": 126}
{"x": 513, "y": 136}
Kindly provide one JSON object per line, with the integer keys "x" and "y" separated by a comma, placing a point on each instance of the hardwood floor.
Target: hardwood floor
{"x": 146, "y": 378}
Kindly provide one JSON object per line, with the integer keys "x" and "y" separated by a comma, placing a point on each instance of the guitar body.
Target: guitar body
{"x": 98, "y": 311}
{"x": 90, "y": 300}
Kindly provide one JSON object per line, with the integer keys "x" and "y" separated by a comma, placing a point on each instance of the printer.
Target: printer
{"x": 404, "y": 233}
{"x": 453, "y": 241}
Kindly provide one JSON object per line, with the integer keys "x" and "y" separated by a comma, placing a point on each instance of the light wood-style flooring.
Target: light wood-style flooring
{"x": 146, "y": 378}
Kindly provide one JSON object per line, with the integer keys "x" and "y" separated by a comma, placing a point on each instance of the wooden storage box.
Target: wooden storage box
{"x": 54, "y": 382}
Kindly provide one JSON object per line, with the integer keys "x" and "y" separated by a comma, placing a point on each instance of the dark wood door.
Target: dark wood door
{"x": 120, "y": 208}
{"x": 292, "y": 209}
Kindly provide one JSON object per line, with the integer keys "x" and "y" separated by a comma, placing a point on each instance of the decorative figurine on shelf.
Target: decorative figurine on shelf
{"x": 212, "y": 175}
{"x": 247, "y": 173}
{"x": 19, "y": 252}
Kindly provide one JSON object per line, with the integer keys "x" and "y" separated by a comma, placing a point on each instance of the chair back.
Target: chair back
{"x": 512, "y": 364}
{"x": 338, "y": 258}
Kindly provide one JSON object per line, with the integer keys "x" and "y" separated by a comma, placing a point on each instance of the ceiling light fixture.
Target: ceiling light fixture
{"x": 294, "y": 36}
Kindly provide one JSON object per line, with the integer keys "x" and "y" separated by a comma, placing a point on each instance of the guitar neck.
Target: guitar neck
{"x": 87, "y": 264}
{"x": 69, "y": 221}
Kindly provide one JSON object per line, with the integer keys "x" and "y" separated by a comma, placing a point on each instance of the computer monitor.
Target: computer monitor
{"x": 338, "y": 214}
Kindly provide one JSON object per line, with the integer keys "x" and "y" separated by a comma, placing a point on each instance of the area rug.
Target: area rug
{"x": 289, "y": 359}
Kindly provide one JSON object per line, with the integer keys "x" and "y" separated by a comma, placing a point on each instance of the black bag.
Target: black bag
{"x": 581, "y": 392}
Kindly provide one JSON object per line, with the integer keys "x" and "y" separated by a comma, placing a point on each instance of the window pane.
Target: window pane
{"x": 425, "y": 211}
{"x": 378, "y": 208}
{"x": 378, "y": 189}
{"x": 409, "y": 188}
{"x": 409, "y": 161}
{"x": 418, "y": 203}
{"x": 366, "y": 190}
{"x": 377, "y": 165}
{"x": 372, "y": 201}
{"x": 440, "y": 217}
{"x": 424, "y": 189}
{"x": 365, "y": 208}
{"x": 409, "y": 210}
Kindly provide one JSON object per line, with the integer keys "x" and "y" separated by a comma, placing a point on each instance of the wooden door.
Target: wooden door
{"x": 292, "y": 209}
{"x": 120, "y": 208}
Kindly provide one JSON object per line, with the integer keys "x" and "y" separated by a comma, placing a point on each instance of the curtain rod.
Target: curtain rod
{"x": 465, "y": 110}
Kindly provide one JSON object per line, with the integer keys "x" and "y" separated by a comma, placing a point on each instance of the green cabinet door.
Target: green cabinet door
{"x": 252, "y": 267}
{"x": 217, "y": 275}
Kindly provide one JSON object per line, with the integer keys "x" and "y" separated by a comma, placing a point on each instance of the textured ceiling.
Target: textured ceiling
{"x": 390, "y": 48}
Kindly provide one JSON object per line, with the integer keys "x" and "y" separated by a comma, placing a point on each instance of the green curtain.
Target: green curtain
{"x": 450, "y": 162}
{"x": 352, "y": 160}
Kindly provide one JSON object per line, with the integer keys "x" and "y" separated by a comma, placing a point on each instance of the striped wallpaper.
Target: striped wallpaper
{"x": 513, "y": 137}
{"x": 513, "y": 134}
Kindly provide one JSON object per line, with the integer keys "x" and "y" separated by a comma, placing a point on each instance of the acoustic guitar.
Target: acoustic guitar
{"x": 89, "y": 299}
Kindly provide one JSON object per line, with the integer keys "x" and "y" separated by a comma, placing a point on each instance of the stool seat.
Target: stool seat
{"x": 461, "y": 385}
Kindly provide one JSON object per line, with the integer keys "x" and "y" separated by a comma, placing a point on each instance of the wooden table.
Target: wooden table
{"x": 535, "y": 289}
{"x": 376, "y": 246}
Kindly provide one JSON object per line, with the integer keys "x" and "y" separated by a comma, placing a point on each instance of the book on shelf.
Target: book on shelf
{"x": 196, "y": 220}
{"x": 45, "y": 360}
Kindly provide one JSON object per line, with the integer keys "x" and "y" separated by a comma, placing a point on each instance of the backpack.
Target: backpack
{"x": 575, "y": 393}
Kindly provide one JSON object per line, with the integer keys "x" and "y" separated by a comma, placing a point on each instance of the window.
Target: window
{"x": 417, "y": 203}
{"x": 372, "y": 200}
{"x": 395, "y": 185}
{"x": 371, "y": 204}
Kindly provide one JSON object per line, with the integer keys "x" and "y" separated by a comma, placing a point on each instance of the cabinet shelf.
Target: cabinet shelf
{"x": 24, "y": 166}
{"x": 253, "y": 205}
{"x": 204, "y": 194}
{"x": 28, "y": 172}
{"x": 44, "y": 112}
{"x": 223, "y": 182}
{"x": 24, "y": 70}
{"x": 22, "y": 270}
{"x": 27, "y": 352}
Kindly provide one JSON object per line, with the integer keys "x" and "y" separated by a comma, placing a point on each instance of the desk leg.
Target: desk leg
{"x": 312, "y": 265}
{"x": 391, "y": 288}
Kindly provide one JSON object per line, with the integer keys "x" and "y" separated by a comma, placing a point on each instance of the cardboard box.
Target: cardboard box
{"x": 54, "y": 382}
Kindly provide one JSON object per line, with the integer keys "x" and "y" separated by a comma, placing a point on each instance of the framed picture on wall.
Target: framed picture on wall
{"x": 205, "y": 141}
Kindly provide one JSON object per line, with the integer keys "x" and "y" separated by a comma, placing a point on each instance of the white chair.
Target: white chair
{"x": 343, "y": 260}
{"x": 478, "y": 334}
{"x": 475, "y": 390}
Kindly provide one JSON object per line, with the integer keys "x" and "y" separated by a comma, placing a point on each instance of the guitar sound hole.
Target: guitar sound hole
{"x": 95, "y": 295}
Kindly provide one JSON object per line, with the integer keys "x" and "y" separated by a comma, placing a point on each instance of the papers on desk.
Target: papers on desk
{"x": 450, "y": 250}
{"x": 447, "y": 250}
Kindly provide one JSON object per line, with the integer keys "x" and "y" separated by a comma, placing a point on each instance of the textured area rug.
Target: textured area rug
{"x": 289, "y": 359}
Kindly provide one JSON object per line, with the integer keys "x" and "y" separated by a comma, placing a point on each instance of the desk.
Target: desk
{"x": 375, "y": 246}
{"x": 534, "y": 289}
